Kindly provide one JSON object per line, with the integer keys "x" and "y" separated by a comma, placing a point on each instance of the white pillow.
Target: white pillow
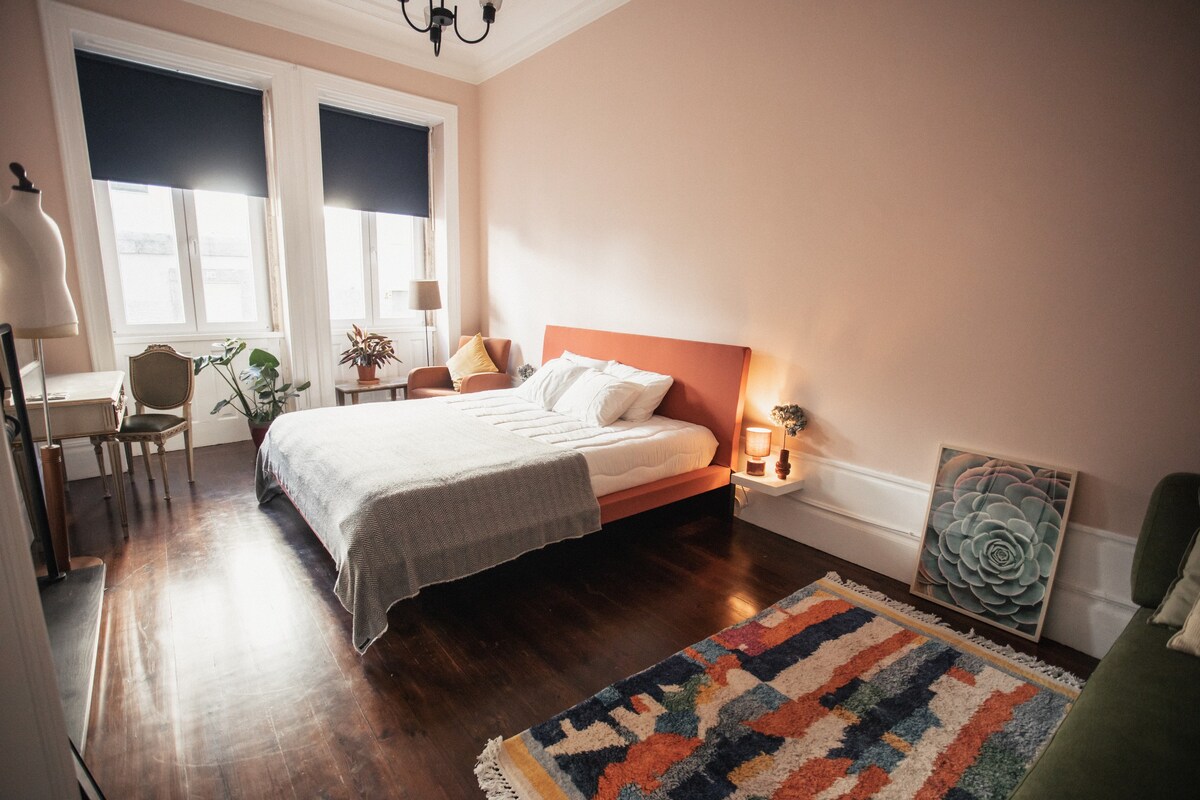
{"x": 654, "y": 389}
{"x": 595, "y": 363}
{"x": 546, "y": 385}
{"x": 597, "y": 399}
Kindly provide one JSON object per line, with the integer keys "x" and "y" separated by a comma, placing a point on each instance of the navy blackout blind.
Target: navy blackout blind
{"x": 374, "y": 164}
{"x": 147, "y": 125}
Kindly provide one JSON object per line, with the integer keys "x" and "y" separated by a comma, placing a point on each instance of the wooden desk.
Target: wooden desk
{"x": 83, "y": 405}
{"x": 354, "y": 389}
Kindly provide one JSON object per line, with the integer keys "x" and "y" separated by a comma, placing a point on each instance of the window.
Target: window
{"x": 182, "y": 260}
{"x": 370, "y": 257}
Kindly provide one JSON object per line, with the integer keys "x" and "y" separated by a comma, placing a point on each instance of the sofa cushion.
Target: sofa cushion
{"x": 429, "y": 391}
{"x": 1132, "y": 732}
{"x": 1171, "y": 521}
{"x": 150, "y": 423}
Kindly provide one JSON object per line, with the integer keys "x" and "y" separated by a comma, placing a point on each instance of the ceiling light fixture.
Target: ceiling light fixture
{"x": 440, "y": 17}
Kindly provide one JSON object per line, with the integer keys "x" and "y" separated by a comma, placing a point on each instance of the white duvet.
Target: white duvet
{"x": 621, "y": 456}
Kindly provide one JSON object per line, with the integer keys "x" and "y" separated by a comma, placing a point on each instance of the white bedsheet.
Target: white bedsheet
{"x": 621, "y": 456}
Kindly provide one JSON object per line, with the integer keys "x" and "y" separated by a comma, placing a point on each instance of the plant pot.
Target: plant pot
{"x": 258, "y": 433}
{"x": 366, "y": 375}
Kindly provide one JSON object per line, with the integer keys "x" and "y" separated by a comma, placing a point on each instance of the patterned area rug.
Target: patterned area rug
{"x": 834, "y": 692}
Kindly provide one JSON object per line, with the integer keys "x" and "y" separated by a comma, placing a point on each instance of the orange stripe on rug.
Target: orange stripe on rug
{"x": 961, "y": 754}
{"x": 644, "y": 764}
{"x": 813, "y": 777}
{"x": 870, "y": 781}
{"x": 754, "y": 638}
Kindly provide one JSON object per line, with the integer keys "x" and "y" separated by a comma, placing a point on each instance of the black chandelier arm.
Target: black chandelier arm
{"x": 464, "y": 39}
{"x": 404, "y": 10}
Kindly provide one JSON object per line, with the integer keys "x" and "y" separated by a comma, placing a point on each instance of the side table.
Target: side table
{"x": 354, "y": 389}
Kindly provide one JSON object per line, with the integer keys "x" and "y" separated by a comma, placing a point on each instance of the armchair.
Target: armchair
{"x": 436, "y": 382}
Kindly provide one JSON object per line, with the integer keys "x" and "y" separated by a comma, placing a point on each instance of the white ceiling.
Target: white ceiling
{"x": 522, "y": 28}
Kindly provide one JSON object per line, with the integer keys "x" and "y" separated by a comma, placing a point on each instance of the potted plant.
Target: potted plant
{"x": 368, "y": 352}
{"x": 793, "y": 420}
{"x": 257, "y": 393}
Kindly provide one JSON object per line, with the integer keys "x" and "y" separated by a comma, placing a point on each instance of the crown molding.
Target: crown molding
{"x": 580, "y": 16}
{"x": 357, "y": 25}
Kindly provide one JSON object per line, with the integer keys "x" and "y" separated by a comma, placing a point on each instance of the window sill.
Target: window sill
{"x": 166, "y": 338}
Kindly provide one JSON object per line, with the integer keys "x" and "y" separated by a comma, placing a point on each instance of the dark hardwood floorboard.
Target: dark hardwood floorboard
{"x": 226, "y": 668}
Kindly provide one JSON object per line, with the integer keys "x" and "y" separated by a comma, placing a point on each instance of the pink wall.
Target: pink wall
{"x": 27, "y": 131}
{"x": 971, "y": 223}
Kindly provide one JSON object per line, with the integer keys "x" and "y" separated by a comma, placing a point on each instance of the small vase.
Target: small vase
{"x": 366, "y": 375}
{"x": 783, "y": 467}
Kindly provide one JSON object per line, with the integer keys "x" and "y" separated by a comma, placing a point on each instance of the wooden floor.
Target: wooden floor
{"x": 226, "y": 668}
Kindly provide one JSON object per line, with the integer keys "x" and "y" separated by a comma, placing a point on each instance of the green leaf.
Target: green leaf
{"x": 219, "y": 406}
{"x": 261, "y": 358}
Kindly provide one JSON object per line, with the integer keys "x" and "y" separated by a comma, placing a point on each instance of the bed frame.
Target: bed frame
{"x": 709, "y": 390}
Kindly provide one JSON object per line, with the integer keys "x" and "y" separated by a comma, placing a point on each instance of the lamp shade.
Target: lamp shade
{"x": 758, "y": 442}
{"x": 34, "y": 298}
{"x": 424, "y": 295}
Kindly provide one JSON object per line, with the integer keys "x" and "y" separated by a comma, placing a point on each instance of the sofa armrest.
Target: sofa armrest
{"x": 429, "y": 378}
{"x": 1171, "y": 521}
{"x": 483, "y": 381}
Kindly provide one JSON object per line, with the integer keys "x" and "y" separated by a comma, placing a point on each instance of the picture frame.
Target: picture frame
{"x": 992, "y": 536}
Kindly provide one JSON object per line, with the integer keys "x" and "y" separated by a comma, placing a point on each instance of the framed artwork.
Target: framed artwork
{"x": 992, "y": 536}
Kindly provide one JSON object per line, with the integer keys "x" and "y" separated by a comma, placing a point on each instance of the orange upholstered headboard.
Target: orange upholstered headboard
{"x": 710, "y": 379}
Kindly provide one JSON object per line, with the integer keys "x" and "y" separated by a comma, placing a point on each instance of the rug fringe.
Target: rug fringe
{"x": 1031, "y": 663}
{"x": 491, "y": 778}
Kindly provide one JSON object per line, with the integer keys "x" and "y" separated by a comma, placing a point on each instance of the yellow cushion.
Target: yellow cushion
{"x": 470, "y": 359}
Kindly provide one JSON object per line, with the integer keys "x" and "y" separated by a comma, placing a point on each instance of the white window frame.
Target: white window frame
{"x": 191, "y": 269}
{"x": 293, "y": 94}
{"x": 371, "y": 302}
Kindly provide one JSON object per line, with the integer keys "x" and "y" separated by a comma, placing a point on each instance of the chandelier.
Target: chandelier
{"x": 440, "y": 17}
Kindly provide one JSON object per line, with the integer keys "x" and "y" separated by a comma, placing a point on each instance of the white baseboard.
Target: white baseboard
{"x": 874, "y": 520}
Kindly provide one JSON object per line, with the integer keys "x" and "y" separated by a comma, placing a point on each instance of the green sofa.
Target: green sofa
{"x": 1135, "y": 730}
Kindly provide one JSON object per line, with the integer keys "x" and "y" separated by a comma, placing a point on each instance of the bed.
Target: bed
{"x": 405, "y": 495}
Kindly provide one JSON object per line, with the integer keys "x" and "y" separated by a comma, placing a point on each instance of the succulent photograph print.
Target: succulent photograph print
{"x": 992, "y": 537}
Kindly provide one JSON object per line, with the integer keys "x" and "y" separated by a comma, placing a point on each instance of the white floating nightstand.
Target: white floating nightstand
{"x": 767, "y": 484}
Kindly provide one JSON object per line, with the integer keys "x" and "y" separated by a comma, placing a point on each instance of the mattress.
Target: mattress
{"x": 621, "y": 456}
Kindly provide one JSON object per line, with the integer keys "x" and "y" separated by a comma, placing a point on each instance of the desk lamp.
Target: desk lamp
{"x": 758, "y": 445}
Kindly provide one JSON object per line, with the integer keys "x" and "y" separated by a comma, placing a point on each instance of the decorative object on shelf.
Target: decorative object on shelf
{"x": 368, "y": 352}
{"x": 262, "y": 399}
{"x": 438, "y": 17}
{"x": 992, "y": 537}
{"x": 758, "y": 446}
{"x": 525, "y": 372}
{"x": 793, "y": 420}
{"x": 425, "y": 296}
{"x": 35, "y": 301}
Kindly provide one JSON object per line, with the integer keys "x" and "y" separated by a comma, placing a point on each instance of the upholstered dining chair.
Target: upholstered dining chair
{"x": 160, "y": 379}
{"x": 436, "y": 381}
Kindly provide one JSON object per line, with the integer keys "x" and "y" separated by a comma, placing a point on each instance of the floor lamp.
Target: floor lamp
{"x": 35, "y": 301}
{"x": 425, "y": 296}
